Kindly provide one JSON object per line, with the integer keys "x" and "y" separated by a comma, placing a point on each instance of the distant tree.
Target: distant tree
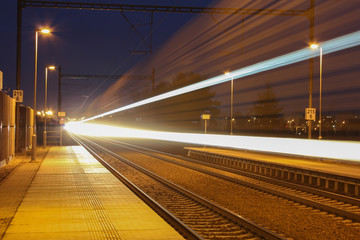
{"x": 266, "y": 113}
{"x": 240, "y": 121}
{"x": 182, "y": 111}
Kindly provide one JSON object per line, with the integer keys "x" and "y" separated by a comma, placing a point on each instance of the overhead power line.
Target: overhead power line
{"x": 173, "y": 9}
{"x": 83, "y": 76}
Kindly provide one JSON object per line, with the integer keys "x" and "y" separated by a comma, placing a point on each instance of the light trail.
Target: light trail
{"x": 334, "y": 45}
{"x": 342, "y": 150}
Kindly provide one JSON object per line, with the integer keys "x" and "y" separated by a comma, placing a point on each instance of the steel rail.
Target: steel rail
{"x": 320, "y": 192}
{"x": 253, "y": 227}
{"x": 320, "y": 206}
{"x": 281, "y": 166}
{"x": 183, "y": 229}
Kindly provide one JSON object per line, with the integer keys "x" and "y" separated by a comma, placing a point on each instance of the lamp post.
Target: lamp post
{"x": 37, "y": 31}
{"x": 231, "y": 102}
{"x": 316, "y": 46}
{"x": 45, "y": 107}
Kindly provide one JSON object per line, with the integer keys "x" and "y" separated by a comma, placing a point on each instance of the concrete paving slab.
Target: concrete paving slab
{"x": 74, "y": 197}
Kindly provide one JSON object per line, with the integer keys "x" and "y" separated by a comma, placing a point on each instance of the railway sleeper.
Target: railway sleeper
{"x": 315, "y": 179}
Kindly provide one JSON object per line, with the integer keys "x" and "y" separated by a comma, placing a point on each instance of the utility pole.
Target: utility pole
{"x": 153, "y": 78}
{"x": 18, "y": 44}
{"x": 311, "y": 60}
{"x": 59, "y": 89}
{"x": 18, "y": 70}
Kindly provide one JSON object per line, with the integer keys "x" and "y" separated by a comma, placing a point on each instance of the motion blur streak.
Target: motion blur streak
{"x": 344, "y": 150}
{"x": 336, "y": 44}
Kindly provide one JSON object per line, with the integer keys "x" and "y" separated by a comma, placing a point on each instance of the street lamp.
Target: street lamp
{"x": 37, "y": 31}
{"x": 45, "y": 107}
{"x": 231, "y": 102}
{"x": 316, "y": 46}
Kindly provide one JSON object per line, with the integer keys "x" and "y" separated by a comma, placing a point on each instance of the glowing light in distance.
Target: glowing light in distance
{"x": 48, "y": 113}
{"x": 334, "y": 45}
{"x": 45, "y": 30}
{"x": 344, "y": 150}
{"x": 314, "y": 46}
{"x": 51, "y": 67}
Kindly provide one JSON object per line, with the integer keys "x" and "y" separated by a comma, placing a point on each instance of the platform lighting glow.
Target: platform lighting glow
{"x": 314, "y": 46}
{"x": 344, "y": 150}
{"x": 45, "y": 30}
{"x": 334, "y": 45}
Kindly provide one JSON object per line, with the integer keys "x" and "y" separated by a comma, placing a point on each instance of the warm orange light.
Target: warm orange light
{"x": 45, "y": 30}
{"x": 49, "y": 113}
{"x": 227, "y": 73}
{"x": 51, "y": 67}
{"x": 314, "y": 46}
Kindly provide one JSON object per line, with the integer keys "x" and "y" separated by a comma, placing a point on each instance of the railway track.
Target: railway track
{"x": 192, "y": 215}
{"x": 342, "y": 184}
{"x": 340, "y": 205}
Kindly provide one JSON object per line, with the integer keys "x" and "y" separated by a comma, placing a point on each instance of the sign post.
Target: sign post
{"x": 310, "y": 114}
{"x": 1, "y": 80}
{"x": 61, "y": 118}
{"x": 61, "y": 114}
{"x": 205, "y": 117}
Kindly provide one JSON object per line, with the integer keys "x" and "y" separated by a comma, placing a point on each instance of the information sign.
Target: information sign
{"x": 61, "y": 114}
{"x": 310, "y": 114}
{"x": 205, "y": 116}
{"x": 18, "y": 95}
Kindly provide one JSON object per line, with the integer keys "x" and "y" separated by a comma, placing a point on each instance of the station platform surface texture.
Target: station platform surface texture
{"x": 339, "y": 167}
{"x": 68, "y": 194}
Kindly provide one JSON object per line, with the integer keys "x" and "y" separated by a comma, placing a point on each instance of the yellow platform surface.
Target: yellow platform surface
{"x": 344, "y": 168}
{"x": 72, "y": 196}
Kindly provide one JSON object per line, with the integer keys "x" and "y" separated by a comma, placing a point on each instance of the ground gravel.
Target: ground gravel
{"x": 290, "y": 219}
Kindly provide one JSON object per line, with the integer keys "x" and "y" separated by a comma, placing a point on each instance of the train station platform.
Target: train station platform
{"x": 338, "y": 167}
{"x": 69, "y": 195}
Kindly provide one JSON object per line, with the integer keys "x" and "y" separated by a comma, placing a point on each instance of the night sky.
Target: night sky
{"x": 98, "y": 42}
{"x": 82, "y": 42}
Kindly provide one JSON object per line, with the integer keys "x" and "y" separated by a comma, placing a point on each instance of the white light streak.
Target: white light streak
{"x": 343, "y": 150}
{"x": 334, "y": 45}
